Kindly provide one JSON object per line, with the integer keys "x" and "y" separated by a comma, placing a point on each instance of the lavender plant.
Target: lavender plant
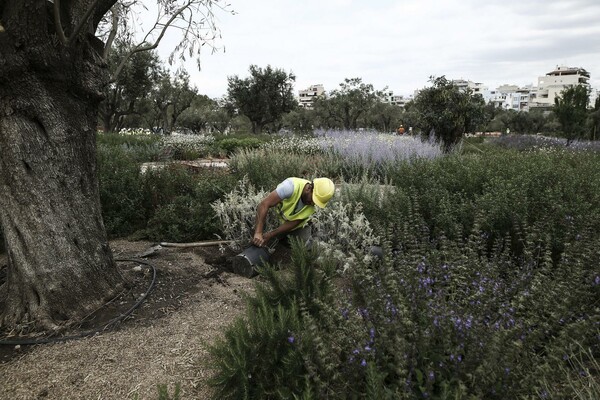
{"x": 373, "y": 148}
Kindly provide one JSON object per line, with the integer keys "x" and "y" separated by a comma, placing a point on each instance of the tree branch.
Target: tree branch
{"x": 113, "y": 32}
{"x": 58, "y": 25}
{"x": 83, "y": 20}
{"x": 102, "y": 7}
{"x": 140, "y": 47}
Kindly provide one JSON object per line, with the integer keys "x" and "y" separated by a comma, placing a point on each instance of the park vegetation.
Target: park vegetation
{"x": 488, "y": 287}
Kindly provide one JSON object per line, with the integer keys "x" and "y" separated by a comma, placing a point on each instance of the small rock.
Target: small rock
{"x": 137, "y": 269}
{"x": 18, "y": 347}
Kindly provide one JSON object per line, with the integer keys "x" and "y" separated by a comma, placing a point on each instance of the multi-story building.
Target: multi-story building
{"x": 553, "y": 83}
{"x": 511, "y": 97}
{"x": 395, "y": 99}
{"x": 307, "y": 96}
{"x": 476, "y": 87}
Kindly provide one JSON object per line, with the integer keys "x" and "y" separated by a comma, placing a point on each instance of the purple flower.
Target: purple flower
{"x": 431, "y": 375}
{"x": 345, "y": 313}
{"x": 597, "y": 280}
{"x": 363, "y": 363}
{"x": 291, "y": 339}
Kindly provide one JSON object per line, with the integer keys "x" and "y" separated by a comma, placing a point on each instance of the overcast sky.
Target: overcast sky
{"x": 400, "y": 44}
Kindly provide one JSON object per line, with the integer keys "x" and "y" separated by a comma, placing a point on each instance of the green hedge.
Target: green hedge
{"x": 169, "y": 204}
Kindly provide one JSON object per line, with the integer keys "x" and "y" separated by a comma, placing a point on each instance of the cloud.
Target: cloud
{"x": 400, "y": 44}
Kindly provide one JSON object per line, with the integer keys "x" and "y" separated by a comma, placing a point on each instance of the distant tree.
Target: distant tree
{"x": 343, "y": 107}
{"x": 594, "y": 120}
{"x": 299, "y": 120}
{"x": 447, "y": 112}
{"x": 264, "y": 97}
{"x": 124, "y": 96}
{"x": 385, "y": 117}
{"x": 171, "y": 96}
{"x": 197, "y": 117}
{"x": 571, "y": 110}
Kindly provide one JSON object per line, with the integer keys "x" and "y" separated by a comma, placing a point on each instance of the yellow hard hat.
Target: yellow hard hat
{"x": 323, "y": 189}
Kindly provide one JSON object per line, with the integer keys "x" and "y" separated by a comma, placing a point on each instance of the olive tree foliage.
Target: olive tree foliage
{"x": 446, "y": 112}
{"x": 345, "y": 106}
{"x": 594, "y": 120}
{"x": 570, "y": 109}
{"x": 300, "y": 120}
{"x": 199, "y": 117}
{"x": 171, "y": 96}
{"x": 520, "y": 122}
{"x": 264, "y": 97}
{"x": 126, "y": 95}
{"x": 386, "y": 117}
{"x": 53, "y": 72}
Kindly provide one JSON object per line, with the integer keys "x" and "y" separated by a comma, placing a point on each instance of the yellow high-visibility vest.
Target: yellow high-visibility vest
{"x": 288, "y": 206}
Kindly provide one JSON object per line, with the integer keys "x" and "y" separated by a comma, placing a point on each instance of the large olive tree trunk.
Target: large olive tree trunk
{"x": 59, "y": 263}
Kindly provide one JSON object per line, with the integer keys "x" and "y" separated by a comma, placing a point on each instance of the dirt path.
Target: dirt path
{"x": 164, "y": 343}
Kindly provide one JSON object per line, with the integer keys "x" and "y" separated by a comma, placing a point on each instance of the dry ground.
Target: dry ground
{"x": 164, "y": 342}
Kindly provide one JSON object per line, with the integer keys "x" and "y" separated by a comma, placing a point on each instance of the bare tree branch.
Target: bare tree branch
{"x": 82, "y": 21}
{"x": 141, "y": 47}
{"x": 58, "y": 24}
{"x": 113, "y": 31}
{"x": 102, "y": 7}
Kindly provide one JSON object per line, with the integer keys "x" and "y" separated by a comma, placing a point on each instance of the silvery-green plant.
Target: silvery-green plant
{"x": 236, "y": 212}
{"x": 344, "y": 234}
{"x": 295, "y": 145}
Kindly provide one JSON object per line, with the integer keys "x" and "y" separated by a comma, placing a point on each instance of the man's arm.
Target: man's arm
{"x": 260, "y": 238}
{"x": 261, "y": 214}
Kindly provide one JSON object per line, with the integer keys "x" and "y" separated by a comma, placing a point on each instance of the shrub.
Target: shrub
{"x": 266, "y": 168}
{"x": 190, "y": 217}
{"x": 171, "y": 203}
{"x": 187, "y": 147}
{"x": 121, "y": 191}
{"x": 436, "y": 319}
{"x": 140, "y": 147}
{"x": 261, "y": 355}
{"x": 230, "y": 145}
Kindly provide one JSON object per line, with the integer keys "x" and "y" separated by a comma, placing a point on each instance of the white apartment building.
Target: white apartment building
{"x": 553, "y": 83}
{"x": 396, "y": 100}
{"x": 510, "y": 97}
{"x": 307, "y": 96}
{"x": 476, "y": 87}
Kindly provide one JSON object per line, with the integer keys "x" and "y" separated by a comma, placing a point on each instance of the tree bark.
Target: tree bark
{"x": 60, "y": 266}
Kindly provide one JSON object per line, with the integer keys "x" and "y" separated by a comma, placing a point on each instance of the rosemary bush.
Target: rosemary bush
{"x": 437, "y": 319}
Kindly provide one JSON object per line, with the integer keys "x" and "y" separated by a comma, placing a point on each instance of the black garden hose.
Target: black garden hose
{"x": 94, "y": 331}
